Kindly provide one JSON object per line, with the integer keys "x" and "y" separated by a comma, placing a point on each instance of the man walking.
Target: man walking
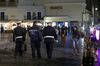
{"x": 49, "y": 34}
{"x": 2, "y": 28}
{"x": 35, "y": 38}
{"x": 18, "y": 34}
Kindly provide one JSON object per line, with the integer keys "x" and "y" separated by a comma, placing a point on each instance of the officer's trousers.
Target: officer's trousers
{"x": 18, "y": 47}
{"x": 49, "y": 47}
{"x": 35, "y": 45}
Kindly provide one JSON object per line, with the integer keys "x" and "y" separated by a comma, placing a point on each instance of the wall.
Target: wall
{"x": 26, "y": 2}
{"x": 42, "y": 2}
{"x": 20, "y": 12}
{"x": 74, "y": 10}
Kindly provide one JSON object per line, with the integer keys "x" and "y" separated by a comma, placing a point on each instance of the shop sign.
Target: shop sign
{"x": 56, "y": 7}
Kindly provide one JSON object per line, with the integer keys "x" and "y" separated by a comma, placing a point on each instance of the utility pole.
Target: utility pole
{"x": 93, "y": 11}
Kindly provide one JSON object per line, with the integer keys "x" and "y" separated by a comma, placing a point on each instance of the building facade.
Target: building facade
{"x": 29, "y": 10}
{"x": 20, "y": 10}
{"x": 71, "y": 8}
{"x": 37, "y": 9}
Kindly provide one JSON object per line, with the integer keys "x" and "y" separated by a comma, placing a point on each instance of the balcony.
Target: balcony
{"x": 8, "y": 4}
{"x": 32, "y": 18}
{"x": 12, "y": 4}
{"x": 5, "y": 18}
{"x": 2, "y": 4}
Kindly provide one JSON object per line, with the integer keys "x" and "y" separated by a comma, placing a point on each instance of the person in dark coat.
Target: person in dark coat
{"x": 49, "y": 34}
{"x": 35, "y": 39}
{"x": 18, "y": 34}
{"x": 2, "y": 28}
{"x": 63, "y": 35}
{"x": 75, "y": 37}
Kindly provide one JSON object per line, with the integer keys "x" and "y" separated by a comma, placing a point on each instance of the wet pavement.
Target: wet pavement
{"x": 61, "y": 56}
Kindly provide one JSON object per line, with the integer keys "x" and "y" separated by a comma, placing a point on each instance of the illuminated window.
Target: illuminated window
{"x": 66, "y": 24}
{"x": 2, "y": 15}
{"x": 97, "y": 34}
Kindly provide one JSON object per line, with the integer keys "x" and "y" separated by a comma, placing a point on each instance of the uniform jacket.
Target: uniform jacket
{"x": 38, "y": 36}
{"x": 49, "y": 31}
{"x": 18, "y": 31}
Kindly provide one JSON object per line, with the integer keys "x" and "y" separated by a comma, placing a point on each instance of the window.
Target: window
{"x": 39, "y": 16}
{"x": 28, "y": 15}
{"x": 2, "y": 15}
{"x": 34, "y": 15}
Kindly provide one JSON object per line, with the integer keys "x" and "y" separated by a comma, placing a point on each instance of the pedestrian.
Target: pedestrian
{"x": 35, "y": 39}
{"x": 49, "y": 34}
{"x": 18, "y": 33}
{"x": 2, "y": 28}
{"x": 75, "y": 37}
{"x": 63, "y": 35}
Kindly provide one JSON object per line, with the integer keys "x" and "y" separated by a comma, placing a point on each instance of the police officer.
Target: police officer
{"x": 18, "y": 34}
{"x": 49, "y": 34}
{"x": 36, "y": 37}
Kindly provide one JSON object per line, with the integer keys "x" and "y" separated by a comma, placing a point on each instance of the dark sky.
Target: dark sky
{"x": 89, "y": 4}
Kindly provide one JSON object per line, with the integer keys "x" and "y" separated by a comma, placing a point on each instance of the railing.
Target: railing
{"x": 7, "y": 4}
{"x": 33, "y": 18}
{"x": 12, "y": 4}
{"x": 5, "y": 18}
{"x": 2, "y": 4}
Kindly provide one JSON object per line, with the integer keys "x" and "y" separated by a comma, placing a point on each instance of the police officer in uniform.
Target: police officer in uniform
{"x": 49, "y": 34}
{"x": 18, "y": 34}
{"x": 35, "y": 39}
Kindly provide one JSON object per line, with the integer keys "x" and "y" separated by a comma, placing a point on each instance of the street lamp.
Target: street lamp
{"x": 93, "y": 11}
{"x": 96, "y": 9}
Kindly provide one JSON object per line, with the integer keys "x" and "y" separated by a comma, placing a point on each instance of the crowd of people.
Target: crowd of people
{"x": 48, "y": 34}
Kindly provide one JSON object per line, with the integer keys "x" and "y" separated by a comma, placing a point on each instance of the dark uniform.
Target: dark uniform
{"x": 36, "y": 37}
{"x": 24, "y": 38}
{"x": 2, "y": 28}
{"x": 18, "y": 34}
{"x": 49, "y": 34}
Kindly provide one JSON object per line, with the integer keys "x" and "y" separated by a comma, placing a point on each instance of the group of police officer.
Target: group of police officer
{"x": 48, "y": 34}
